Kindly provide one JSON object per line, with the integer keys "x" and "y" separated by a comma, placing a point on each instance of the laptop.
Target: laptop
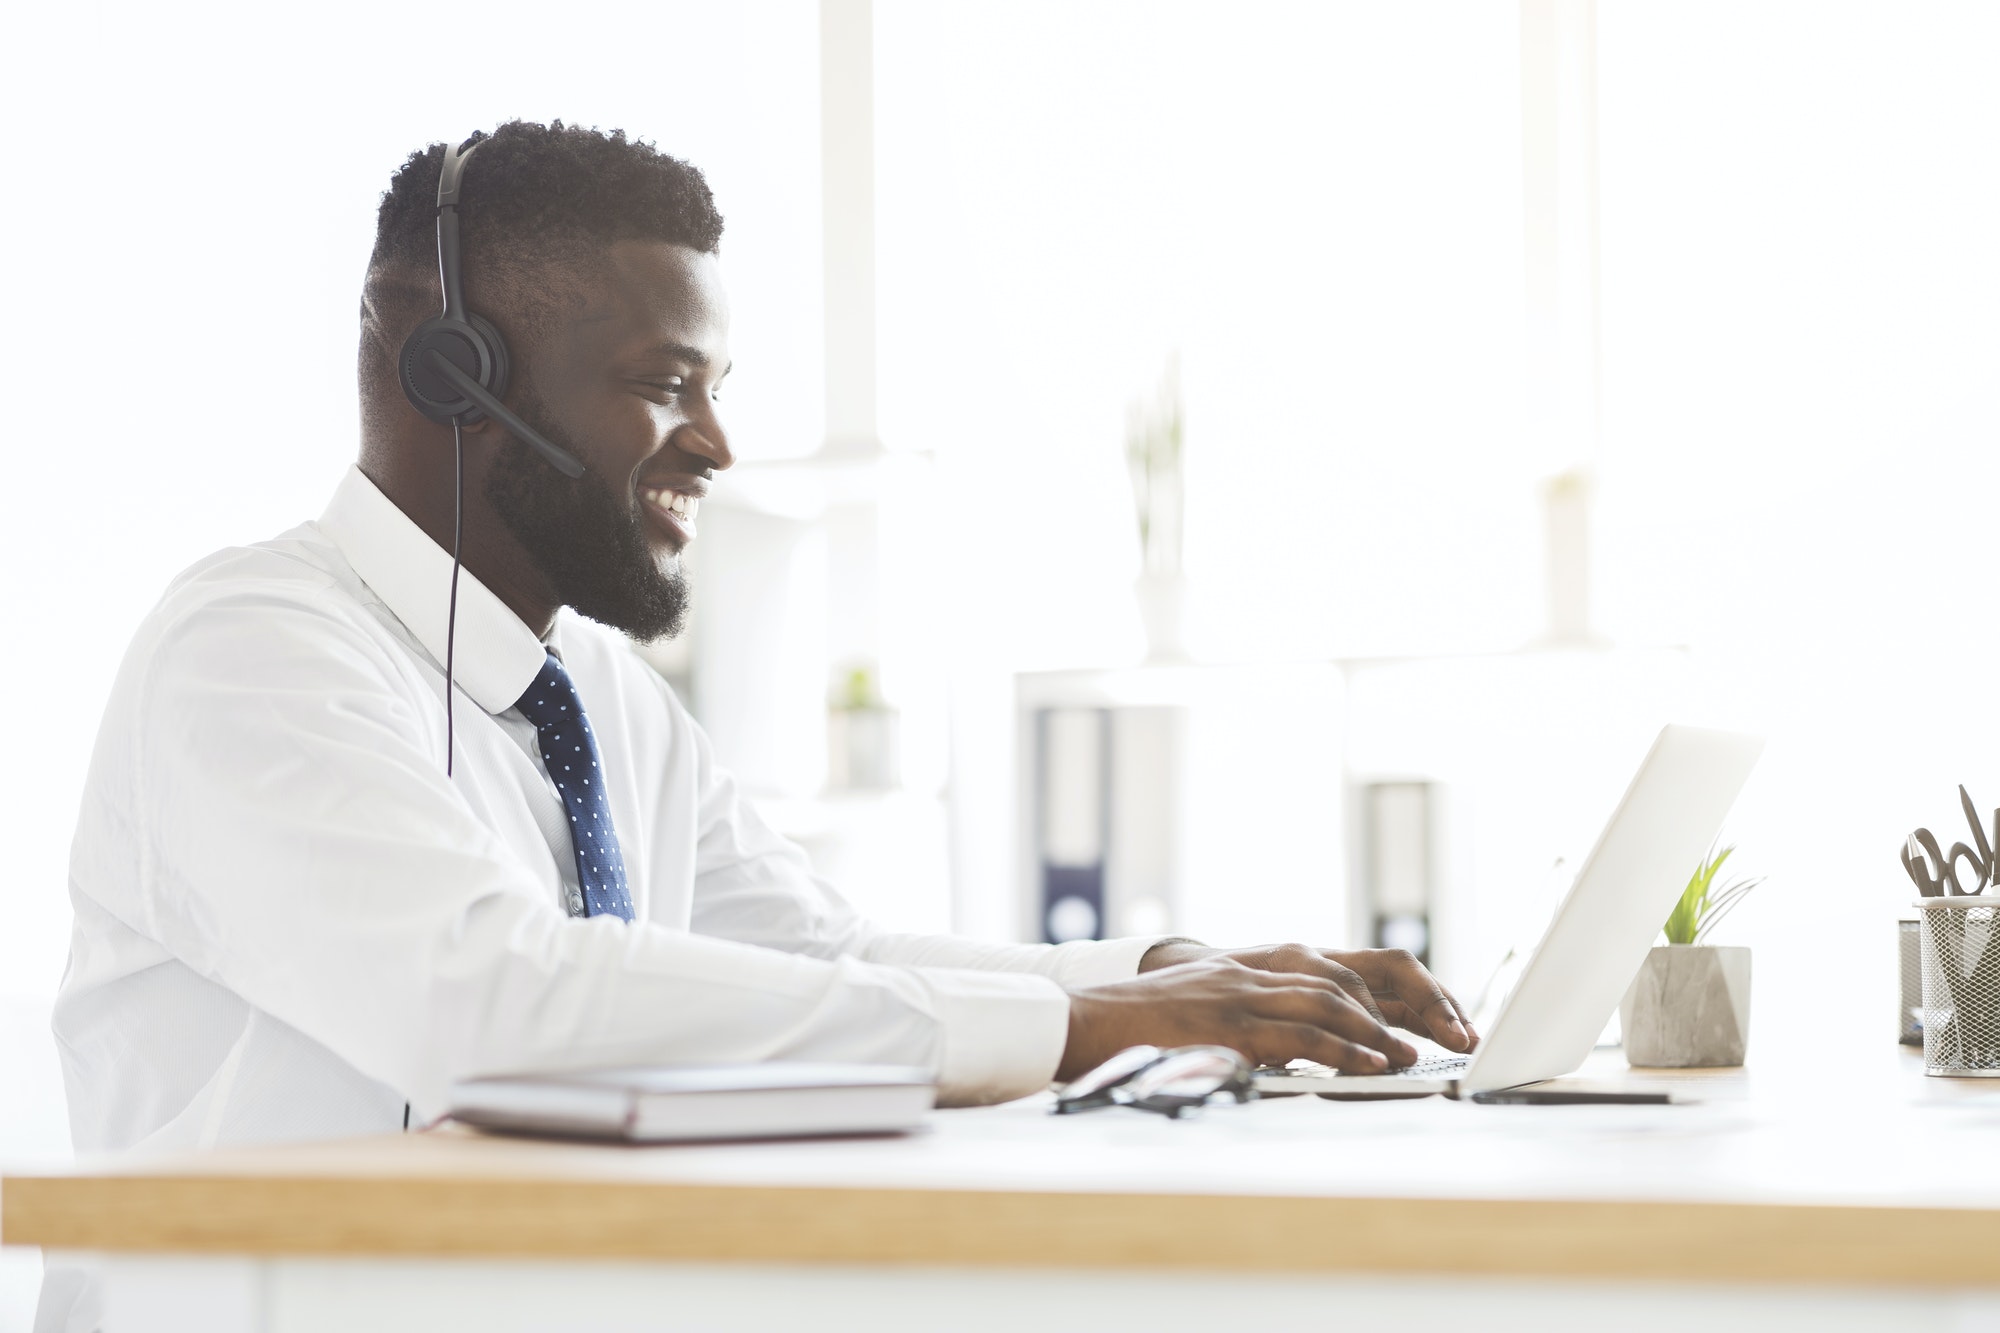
{"x": 1599, "y": 937}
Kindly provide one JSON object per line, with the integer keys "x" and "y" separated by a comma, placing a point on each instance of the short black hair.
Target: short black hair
{"x": 554, "y": 189}
{"x": 536, "y": 199}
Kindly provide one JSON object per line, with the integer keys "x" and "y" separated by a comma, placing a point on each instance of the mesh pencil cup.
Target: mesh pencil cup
{"x": 1961, "y": 985}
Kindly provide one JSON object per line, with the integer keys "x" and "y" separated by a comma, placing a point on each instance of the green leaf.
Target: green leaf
{"x": 1701, "y": 904}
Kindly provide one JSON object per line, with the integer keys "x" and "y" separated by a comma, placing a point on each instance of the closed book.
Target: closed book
{"x": 671, "y": 1104}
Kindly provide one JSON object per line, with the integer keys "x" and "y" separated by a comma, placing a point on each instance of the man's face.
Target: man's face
{"x": 628, "y": 384}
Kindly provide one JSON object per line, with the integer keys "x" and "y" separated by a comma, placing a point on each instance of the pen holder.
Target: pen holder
{"x": 1960, "y": 957}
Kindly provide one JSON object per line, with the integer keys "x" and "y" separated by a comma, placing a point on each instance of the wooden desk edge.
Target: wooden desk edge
{"x": 553, "y": 1219}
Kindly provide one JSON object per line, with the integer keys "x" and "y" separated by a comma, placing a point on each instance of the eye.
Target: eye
{"x": 672, "y": 386}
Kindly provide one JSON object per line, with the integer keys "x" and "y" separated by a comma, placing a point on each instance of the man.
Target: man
{"x": 291, "y": 922}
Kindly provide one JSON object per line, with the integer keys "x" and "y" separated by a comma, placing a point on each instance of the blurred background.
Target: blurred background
{"x": 1247, "y": 471}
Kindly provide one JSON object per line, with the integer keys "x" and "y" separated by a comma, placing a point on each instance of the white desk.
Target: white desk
{"x": 1879, "y": 1208}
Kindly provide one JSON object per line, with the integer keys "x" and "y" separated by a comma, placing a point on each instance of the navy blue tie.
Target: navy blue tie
{"x": 569, "y": 752}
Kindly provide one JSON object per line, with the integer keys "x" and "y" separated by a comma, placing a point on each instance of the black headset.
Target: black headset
{"x": 454, "y": 367}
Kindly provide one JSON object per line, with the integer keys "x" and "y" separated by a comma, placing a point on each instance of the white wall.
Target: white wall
{"x": 1319, "y": 207}
{"x": 1320, "y": 204}
{"x": 1801, "y": 275}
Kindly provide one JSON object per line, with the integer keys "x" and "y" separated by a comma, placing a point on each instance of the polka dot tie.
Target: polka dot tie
{"x": 569, "y": 752}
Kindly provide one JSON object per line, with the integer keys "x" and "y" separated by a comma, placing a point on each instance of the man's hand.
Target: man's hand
{"x": 1271, "y": 1015}
{"x": 1389, "y": 983}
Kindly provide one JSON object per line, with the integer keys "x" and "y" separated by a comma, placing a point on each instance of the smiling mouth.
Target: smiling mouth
{"x": 675, "y": 509}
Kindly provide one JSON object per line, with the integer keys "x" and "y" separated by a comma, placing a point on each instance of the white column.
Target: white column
{"x": 847, "y": 156}
{"x": 1559, "y": 195}
{"x": 853, "y": 525}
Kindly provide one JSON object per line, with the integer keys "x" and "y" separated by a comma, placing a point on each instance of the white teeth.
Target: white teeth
{"x": 680, "y": 506}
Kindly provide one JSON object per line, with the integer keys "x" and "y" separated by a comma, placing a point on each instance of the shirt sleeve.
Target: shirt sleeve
{"x": 303, "y": 847}
{"x": 757, "y": 887}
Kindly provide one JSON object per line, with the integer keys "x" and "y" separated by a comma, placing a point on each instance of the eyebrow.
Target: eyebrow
{"x": 694, "y": 356}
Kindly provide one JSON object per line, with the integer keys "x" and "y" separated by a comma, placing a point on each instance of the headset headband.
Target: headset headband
{"x": 451, "y": 273}
{"x": 454, "y": 366}
{"x": 454, "y": 170}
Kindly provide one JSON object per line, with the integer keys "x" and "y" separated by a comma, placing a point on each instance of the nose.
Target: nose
{"x": 704, "y": 438}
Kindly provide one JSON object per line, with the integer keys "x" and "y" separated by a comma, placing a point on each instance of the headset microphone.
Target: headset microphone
{"x": 454, "y": 367}
{"x": 561, "y": 459}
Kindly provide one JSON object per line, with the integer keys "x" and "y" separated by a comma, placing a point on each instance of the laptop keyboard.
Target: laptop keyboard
{"x": 1437, "y": 1066}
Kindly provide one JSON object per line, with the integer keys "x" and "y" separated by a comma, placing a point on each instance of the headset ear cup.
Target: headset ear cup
{"x": 472, "y": 345}
{"x": 496, "y": 353}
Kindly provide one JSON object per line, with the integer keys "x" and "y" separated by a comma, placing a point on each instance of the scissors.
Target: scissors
{"x": 1935, "y": 872}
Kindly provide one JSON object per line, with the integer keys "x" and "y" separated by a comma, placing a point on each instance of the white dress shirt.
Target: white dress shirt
{"x": 289, "y": 921}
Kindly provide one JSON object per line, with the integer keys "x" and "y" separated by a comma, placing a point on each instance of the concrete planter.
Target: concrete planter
{"x": 1689, "y": 1007}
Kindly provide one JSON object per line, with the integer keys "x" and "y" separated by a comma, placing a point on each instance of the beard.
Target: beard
{"x": 588, "y": 541}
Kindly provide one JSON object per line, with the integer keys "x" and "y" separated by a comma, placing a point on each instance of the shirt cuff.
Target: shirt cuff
{"x": 1094, "y": 962}
{"x": 1004, "y": 1033}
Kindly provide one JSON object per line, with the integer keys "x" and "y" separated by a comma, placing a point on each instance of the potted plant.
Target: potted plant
{"x": 1153, "y": 439}
{"x": 1689, "y": 1007}
{"x": 862, "y": 745}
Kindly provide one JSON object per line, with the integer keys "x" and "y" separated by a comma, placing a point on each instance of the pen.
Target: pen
{"x": 1559, "y": 1097}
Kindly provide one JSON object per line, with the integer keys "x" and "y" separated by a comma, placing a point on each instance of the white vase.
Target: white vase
{"x": 1162, "y": 599}
{"x": 1689, "y": 1008}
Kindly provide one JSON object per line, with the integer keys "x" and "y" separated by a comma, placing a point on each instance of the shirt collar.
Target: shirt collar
{"x": 497, "y": 655}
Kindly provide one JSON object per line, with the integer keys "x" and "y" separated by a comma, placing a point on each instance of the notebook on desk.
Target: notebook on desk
{"x": 667, "y": 1104}
{"x": 1599, "y": 937}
